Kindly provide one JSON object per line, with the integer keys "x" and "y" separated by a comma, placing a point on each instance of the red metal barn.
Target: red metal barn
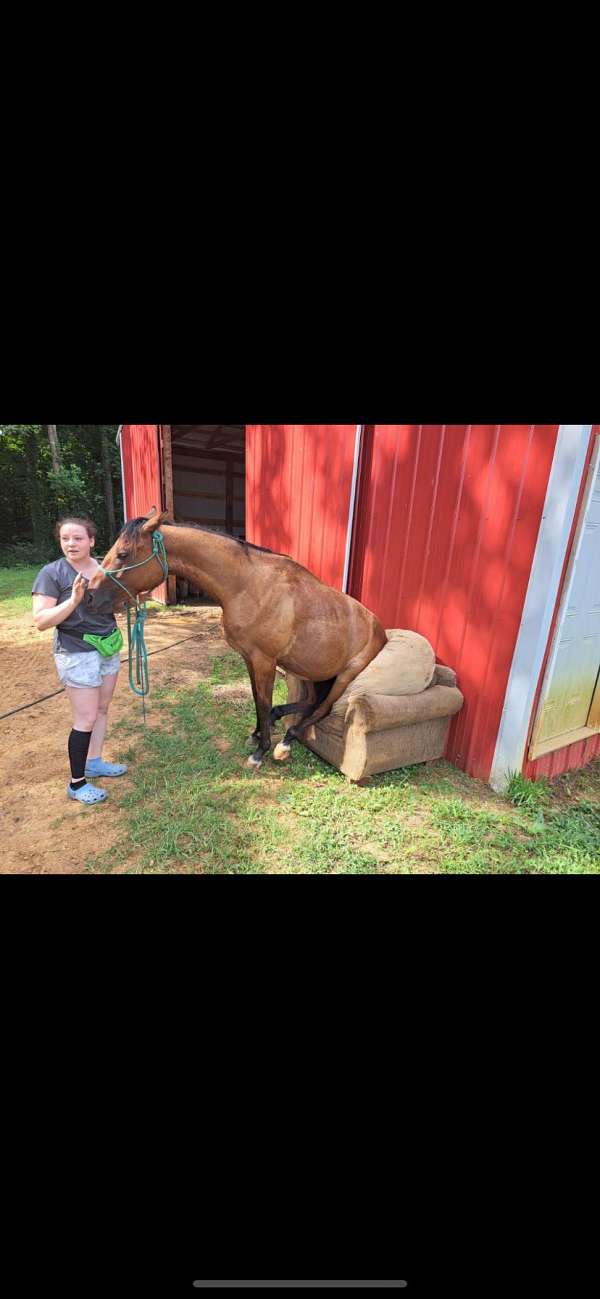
{"x": 485, "y": 538}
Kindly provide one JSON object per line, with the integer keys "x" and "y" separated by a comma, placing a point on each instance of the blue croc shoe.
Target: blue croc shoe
{"x": 87, "y": 794}
{"x": 98, "y": 767}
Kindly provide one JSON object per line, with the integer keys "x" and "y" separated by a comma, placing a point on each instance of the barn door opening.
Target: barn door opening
{"x": 204, "y": 468}
{"x": 569, "y": 708}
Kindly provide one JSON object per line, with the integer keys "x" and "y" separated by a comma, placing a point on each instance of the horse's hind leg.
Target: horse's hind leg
{"x": 343, "y": 679}
{"x": 276, "y": 713}
{"x": 300, "y": 709}
{"x": 284, "y": 748}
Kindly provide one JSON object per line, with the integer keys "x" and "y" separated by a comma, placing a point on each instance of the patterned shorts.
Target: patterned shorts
{"x": 85, "y": 670}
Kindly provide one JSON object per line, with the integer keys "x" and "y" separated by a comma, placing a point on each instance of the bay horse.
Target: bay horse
{"x": 275, "y": 613}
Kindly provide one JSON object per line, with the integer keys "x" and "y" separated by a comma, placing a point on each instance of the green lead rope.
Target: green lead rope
{"x": 135, "y": 634}
{"x": 138, "y": 651}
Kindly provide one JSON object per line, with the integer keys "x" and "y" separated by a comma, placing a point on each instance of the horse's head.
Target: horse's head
{"x": 134, "y": 546}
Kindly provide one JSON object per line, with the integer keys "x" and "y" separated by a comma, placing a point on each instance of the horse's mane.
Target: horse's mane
{"x": 133, "y": 530}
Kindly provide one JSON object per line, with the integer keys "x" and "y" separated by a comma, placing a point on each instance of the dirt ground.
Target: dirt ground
{"x": 40, "y": 825}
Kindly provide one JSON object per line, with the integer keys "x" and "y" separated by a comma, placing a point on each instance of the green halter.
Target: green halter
{"x": 158, "y": 550}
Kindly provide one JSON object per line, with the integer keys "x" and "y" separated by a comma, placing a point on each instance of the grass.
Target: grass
{"x": 15, "y": 590}
{"x": 532, "y": 794}
{"x": 195, "y": 808}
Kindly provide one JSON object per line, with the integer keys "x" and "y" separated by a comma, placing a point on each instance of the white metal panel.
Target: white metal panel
{"x": 574, "y": 663}
{"x": 559, "y": 510}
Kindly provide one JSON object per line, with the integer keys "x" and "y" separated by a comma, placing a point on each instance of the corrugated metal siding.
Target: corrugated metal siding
{"x": 561, "y": 760}
{"x": 447, "y": 525}
{"x": 298, "y": 479}
{"x": 142, "y": 487}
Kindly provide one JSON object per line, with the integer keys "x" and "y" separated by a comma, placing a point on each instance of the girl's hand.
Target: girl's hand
{"x": 79, "y": 589}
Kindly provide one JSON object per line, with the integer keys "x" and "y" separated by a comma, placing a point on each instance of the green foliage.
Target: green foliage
{"x": 530, "y": 794}
{"x": 25, "y": 553}
{"x": 69, "y": 490}
{"x": 33, "y": 494}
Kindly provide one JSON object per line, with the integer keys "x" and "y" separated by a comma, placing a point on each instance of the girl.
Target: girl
{"x": 61, "y": 600}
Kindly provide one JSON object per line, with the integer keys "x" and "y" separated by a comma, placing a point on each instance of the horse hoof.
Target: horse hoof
{"x": 281, "y": 751}
{"x": 254, "y": 763}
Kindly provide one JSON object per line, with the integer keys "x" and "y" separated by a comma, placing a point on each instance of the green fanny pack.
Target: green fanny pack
{"x": 106, "y": 645}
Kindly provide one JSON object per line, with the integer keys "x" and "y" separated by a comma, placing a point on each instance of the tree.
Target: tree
{"x": 54, "y": 447}
{"x": 52, "y": 469}
{"x": 108, "y": 487}
{"x": 39, "y": 522}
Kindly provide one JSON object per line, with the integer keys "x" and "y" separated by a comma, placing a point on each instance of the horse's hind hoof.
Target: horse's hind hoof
{"x": 254, "y": 763}
{"x": 282, "y": 751}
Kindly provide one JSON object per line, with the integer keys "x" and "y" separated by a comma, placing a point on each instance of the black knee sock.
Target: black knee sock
{"x": 79, "y": 743}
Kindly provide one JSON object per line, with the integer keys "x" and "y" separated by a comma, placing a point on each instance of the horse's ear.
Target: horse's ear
{"x": 154, "y": 519}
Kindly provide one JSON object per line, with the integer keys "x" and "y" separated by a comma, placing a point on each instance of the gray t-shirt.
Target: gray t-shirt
{"x": 94, "y": 615}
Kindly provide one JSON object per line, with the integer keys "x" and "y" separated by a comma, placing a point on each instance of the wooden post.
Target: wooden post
{"x": 229, "y": 497}
{"x": 168, "y": 499}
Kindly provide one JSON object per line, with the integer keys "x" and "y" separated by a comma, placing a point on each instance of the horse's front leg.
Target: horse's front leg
{"x": 263, "y": 671}
{"x": 276, "y": 713}
{"x": 255, "y": 736}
